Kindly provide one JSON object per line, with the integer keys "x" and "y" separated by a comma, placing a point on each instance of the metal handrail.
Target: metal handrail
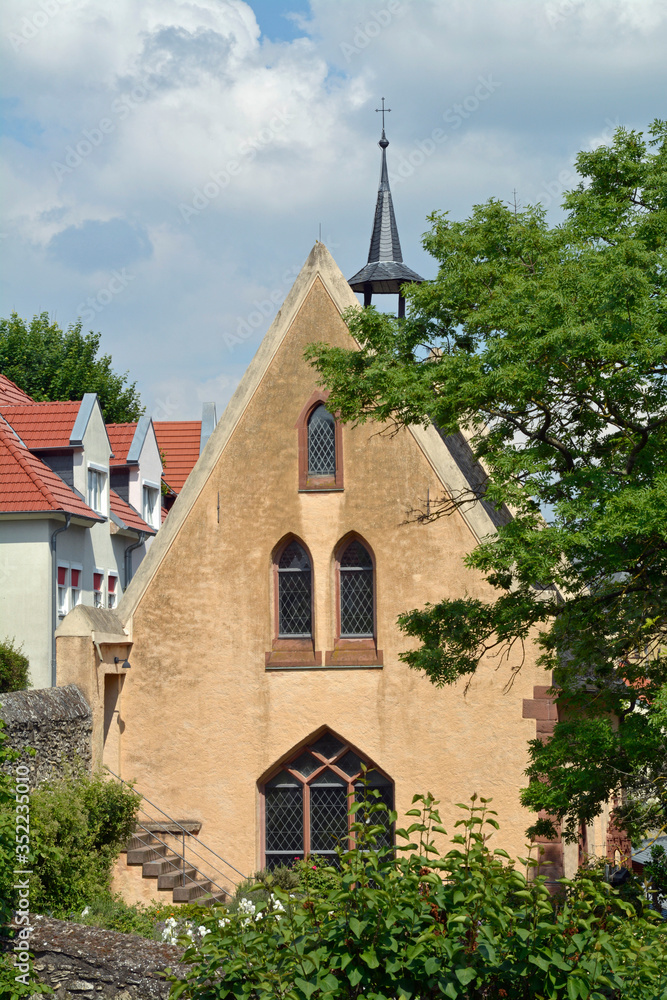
{"x": 183, "y": 831}
{"x": 222, "y": 888}
{"x": 191, "y": 849}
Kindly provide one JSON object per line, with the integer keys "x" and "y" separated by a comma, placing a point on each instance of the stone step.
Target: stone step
{"x": 212, "y": 899}
{"x": 169, "y": 863}
{"x": 173, "y": 878}
{"x": 189, "y": 892}
{"x": 139, "y": 840}
{"x": 141, "y": 855}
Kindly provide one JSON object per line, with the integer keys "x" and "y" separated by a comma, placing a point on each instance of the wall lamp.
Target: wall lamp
{"x": 126, "y": 663}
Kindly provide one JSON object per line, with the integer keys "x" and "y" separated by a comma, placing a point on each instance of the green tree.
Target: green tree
{"x": 50, "y": 363}
{"x": 14, "y": 667}
{"x": 547, "y": 345}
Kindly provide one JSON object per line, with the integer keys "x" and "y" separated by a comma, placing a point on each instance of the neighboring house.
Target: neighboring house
{"x": 67, "y": 537}
{"x": 261, "y": 626}
{"x": 181, "y": 442}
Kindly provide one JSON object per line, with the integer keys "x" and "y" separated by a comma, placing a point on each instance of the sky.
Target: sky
{"x": 167, "y": 165}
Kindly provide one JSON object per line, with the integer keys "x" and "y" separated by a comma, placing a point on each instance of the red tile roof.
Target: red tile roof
{"x": 128, "y": 514}
{"x": 121, "y": 436}
{"x": 10, "y": 394}
{"x": 178, "y": 441}
{"x": 43, "y": 425}
{"x": 27, "y": 484}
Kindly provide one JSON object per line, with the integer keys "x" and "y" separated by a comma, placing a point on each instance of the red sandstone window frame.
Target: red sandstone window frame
{"x": 318, "y": 484}
{"x": 286, "y": 651}
{"x": 293, "y": 755}
{"x": 353, "y": 652}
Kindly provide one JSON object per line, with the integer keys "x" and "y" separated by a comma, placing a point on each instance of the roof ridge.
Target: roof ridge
{"x": 20, "y": 456}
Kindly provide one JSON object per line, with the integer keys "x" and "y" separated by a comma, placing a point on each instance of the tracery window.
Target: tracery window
{"x": 356, "y": 592}
{"x": 294, "y": 593}
{"x": 307, "y": 801}
{"x": 321, "y": 442}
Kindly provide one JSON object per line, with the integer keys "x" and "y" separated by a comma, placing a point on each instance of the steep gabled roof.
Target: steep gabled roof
{"x": 126, "y": 516}
{"x": 179, "y": 443}
{"x": 43, "y": 425}
{"x": 28, "y": 485}
{"x": 10, "y": 394}
{"x": 319, "y": 266}
{"x": 120, "y": 438}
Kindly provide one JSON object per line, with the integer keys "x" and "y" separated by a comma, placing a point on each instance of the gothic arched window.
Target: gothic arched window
{"x": 321, "y": 442}
{"x": 295, "y": 603}
{"x": 308, "y": 800}
{"x": 356, "y": 592}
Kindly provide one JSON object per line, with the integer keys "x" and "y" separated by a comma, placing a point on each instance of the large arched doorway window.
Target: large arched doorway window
{"x": 306, "y": 803}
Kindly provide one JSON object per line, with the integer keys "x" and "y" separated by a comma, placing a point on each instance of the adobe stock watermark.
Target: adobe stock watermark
{"x": 21, "y": 943}
{"x": 248, "y": 325}
{"x": 454, "y": 116}
{"x": 557, "y": 12}
{"x": 247, "y": 151}
{"x": 33, "y": 23}
{"x": 91, "y": 138}
{"x": 371, "y": 28}
{"x": 569, "y": 177}
{"x": 103, "y": 297}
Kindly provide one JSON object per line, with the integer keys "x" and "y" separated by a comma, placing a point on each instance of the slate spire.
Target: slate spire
{"x": 385, "y": 271}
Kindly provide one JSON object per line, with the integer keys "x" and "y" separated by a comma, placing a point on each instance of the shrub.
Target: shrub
{"x": 114, "y": 914}
{"x": 410, "y": 924}
{"x": 78, "y": 825}
{"x": 13, "y": 667}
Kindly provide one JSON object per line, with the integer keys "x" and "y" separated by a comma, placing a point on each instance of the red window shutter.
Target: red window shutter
{"x": 111, "y": 585}
{"x": 62, "y": 576}
{"x": 97, "y": 581}
{"x": 75, "y": 577}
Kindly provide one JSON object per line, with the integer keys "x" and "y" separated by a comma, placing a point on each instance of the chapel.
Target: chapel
{"x": 252, "y": 671}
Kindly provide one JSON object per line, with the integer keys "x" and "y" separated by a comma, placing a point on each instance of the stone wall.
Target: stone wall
{"x": 55, "y": 722}
{"x": 88, "y": 962}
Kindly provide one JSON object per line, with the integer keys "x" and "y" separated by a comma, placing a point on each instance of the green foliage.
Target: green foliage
{"x": 7, "y": 827}
{"x": 547, "y": 346}
{"x": 13, "y": 667}
{"x": 49, "y": 363}
{"x": 78, "y": 826}
{"x": 655, "y": 871}
{"x": 12, "y": 988}
{"x": 112, "y": 913}
{"x": 305, "y": 876}
{"x": 413, "y": 924}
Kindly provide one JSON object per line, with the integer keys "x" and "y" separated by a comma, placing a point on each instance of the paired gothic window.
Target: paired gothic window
{"x": 321, "y": 442}
{"x": 307, "y": 801}
{"x": 294, "y": 593}
{"x": 356, "y": 592}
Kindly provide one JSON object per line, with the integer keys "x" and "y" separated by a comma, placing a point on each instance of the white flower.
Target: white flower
{"x": 223, "y": 922}
{"x": 203, "y": 931}
{"x": 85, "y": 911}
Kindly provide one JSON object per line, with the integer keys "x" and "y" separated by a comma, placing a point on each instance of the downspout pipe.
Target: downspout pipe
{"x": 128, "y": 557}
{"x": 54, "y": 602}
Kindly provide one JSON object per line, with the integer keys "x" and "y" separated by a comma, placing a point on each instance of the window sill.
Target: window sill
{"x": 354, "y": 653}
{"x": 293, "y": 654}
{"x": 327, "y": 666}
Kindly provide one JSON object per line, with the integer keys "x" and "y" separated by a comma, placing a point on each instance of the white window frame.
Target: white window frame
{"x": 63, "y": 602}
{"x": 100, "y": 504}
{"x": 100, "y": 592}
{"x": 147, "y": 485}
{"x": 75, "y": 593}
{"x": 112, "y": 595}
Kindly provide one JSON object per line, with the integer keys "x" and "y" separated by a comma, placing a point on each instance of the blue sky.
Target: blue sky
{"x": 166, "y": 165}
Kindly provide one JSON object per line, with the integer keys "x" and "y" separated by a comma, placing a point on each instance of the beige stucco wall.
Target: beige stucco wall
{"x": 202, "y": 719}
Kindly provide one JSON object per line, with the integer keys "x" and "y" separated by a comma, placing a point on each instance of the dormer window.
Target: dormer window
{"x": 150, "y": 501}
{"x": 321, "y": 442}
{"x": 96, "y": 488}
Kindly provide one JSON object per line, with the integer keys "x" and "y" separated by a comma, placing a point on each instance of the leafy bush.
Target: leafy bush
{"x": 410, "y": 924}
{"x": 14, "y": 667}
{"x": 114, "y": 914}
{"x": 78, "y": 826}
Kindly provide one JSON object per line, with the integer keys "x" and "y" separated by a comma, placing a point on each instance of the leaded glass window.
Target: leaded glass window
{"x": 356, "y": 592}
{"x": 321, "y": 442}
{"x": 294, "y": 593}
{"x": 308, "y": 801}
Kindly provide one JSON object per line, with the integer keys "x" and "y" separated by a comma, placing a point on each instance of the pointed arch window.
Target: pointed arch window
{"x": 356, "y": 592}
{"x": 306, "y": 803}
{"x": 295, "y": 597}
{"x": 320, "y": 447}
{"x": 321, "y": 442}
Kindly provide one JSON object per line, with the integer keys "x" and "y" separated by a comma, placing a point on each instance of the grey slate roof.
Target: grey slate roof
{"x": 385, "y": 270}
{"x": 643, "y": 855}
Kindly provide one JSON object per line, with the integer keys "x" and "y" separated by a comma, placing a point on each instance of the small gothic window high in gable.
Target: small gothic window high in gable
{"x": 320, "y": 447}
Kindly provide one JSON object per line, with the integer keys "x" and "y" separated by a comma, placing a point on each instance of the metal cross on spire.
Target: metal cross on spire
{"x": 383, "y": 109}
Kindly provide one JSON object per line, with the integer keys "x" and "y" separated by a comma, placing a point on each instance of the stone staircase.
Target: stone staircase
{"x": 160, "y": 848}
